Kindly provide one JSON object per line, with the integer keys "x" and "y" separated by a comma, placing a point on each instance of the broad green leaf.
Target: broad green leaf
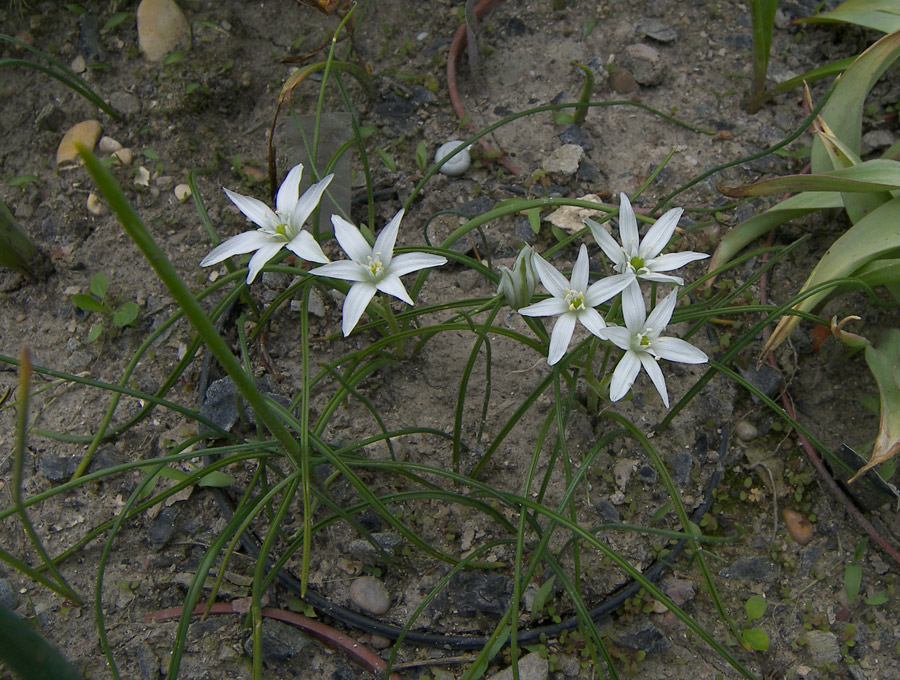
{"x": 99, "y": 285}
{"x": 88, "y": 304}
{"x": 540, "y": 598}
{"x": 878, "y": 598}
{"x": 95, "y": 332}
{"x": 811, "y": 76}
{"x": 217, "y": 478}
{"x": 755, "y": 607}
{"x": 126, "y": 314}
{"x": 875, "y": 236}
{"x": 421, "y": 156}
{"x": 876, "y": 175}
{"x": 759, "y": 225}
{"x": 883, "y": 362}
{"x": 844, "y": 110}
{"x": 386, "y": 158}
{"x": 852, "y": 581}
{"x": 755, "y": 638}
{"x": 28, "y": 654}
{"x": 879, "y": 15}
{"x": 115, "y": 20}
{"x": 534, "y": 219}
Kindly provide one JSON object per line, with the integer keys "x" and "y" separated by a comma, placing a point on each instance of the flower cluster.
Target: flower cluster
{"x": 370, "y": 268}
{"x": 572, "y": 301}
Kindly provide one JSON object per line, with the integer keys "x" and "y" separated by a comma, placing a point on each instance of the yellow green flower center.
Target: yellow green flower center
{"x": 575, "y": 300}
{"x": 375, "y": 267}
{"x": 637, "y": 263}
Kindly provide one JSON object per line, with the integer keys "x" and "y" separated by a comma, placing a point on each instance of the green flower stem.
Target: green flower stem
{"x": 135, "y": 228}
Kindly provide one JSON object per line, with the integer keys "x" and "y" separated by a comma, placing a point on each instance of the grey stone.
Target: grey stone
{"x": 562, "y": 163}
{"x": 471, "y": 593}
{"x": 746, "y": 431}
{"x": 766, "y": 379}
{"x": 162, "y": 527}
{"x": 680, "y": 468}
{"x": 657, "y": 30}
{"x": 823, "y": 647}
{"x": 49, "y": 118}
{"x": 476, "y": 206}
{"x": 587, "y": 172}
{"x": 220, "y": 404}
{"x": 370, "y": 595}
{"x": 645, "y": 64}
{"x": 573, "y": 134}
{"x": 7, "y": 594}
{"x": 280, "y": 642}
{"x": 58, "y": 468}
{"x": 752, "y": 569}
{"x": 647, "y": 474}
{"x": 125, "y": 103}
{"x": 530, "y": 667}
{"x": 364, "y": 551}
{"x": 877, "y": 139}
{"x": 607, "y": 511}
{"x": 643, "y": 637}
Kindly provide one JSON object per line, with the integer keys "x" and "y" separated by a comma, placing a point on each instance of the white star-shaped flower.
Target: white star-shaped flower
{"x": 281, "y": 228}
{"x": 640, "y": 338}
{"x": 573, "y": 301}
{"x": 637, "y": 258}
{"x": 372, "y": 268}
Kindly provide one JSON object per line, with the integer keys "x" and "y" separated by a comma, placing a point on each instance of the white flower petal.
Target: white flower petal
{"x": 350, "y": 238}
{"x": 607, "y": 243}
{"x": 590, "y": 318}
{"x": 305, "y": 246}
{"x": 549, "y": 307}
{"x": 623, "y": 376}
{"x": 260, "y": 257}
{"x": 658, "y": 236}
{"x": 344, "y": 269}
{"x": 662, "y": 278}
{"x": 237, "y": 245}
{"x": 628, "y": 230}
{"x": 289, "y": 191}
{"x": 602, "y": 290}
{"x": 384, "y": 244}
{"x": 358, "y": 298}
{"x": 662, "y": 313}
{"x": 670, "y": 261}
{"x": 392, "y": 285}
{"x": 411, "y": 262}
{"x": 656, "y": 376}
{"x": 308, "y": 202}
{"x": 555, "y": 283}
{"x": 676, "y": 349}
{"x": 581, "y": 270}
{"x": 633, "y": 308}
{"x": 618, "y": 335}
{"x": 560, "y": 337}
{"x": 256, "y": 211}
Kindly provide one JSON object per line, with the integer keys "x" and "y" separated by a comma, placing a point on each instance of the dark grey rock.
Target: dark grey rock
{"x": 647, "y": 474}
{"x": 364, "y": 551}
{"x": 162, "y": 527}
{"x": 657, "y": 30}
{"x": 280, "y": 642}
{"x": 607, "y": 511}
{"x": 471, "y": 593}
{"x": 476, "y": 206}
{"x": 49, "y": 118}
{"x": 680, "y": 468}
{"x": 766, "y": 379}
{"x": 586, "y": 172}
{"x": 422, "y": 95}
{"x": 643, "y": 637}
{"x": 752, "y": 569}
{"x": 220, "y": 405}
{"x": 573, "y": 134}
{"x": 58, "y": 468}
{"x": 7, "y": 594}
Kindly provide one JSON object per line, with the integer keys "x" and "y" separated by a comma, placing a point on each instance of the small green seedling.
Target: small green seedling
{"x": 97, "y": 301}
{"x": 755, "y": 638}
{"x": 421, "y": 156}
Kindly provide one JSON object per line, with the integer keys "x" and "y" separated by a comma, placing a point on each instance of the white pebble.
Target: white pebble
{"x": 182, "y": 192}
{"x": 109, "y": 145}
{"x": 94, "y": 204}
{"x": 456, "y": 165}
{"x": 142, "y": 177}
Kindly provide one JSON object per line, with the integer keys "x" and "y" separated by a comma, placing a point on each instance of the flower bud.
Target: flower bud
{"x": 518, "y": 283}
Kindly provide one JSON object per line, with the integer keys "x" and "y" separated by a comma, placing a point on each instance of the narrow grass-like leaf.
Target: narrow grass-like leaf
{"x": 28, "y": 654}
{"x": 763, "y": 19}
{"x": 875, "y": 175}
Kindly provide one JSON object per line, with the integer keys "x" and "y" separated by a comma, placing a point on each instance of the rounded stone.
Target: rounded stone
{"x": 109, "y": 145}
{"x": 182, "y": 192}
{"x": 86, "y": 133}
{"x": 370, "y": 595}
{"x": 456, "y": 165}
{"x": 745, "y": 431}
{"x": 162, "y": 28}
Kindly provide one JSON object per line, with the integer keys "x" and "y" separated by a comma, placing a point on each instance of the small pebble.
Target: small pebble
{"x": 162, "y": 28}
{"x": 87, "y": 132}
{"x": 142, "y": 177}
{"x": 798, "y": 526}
{"x": 109, "y": 145}
{"x": 182, "y": 192}
{"x": 94, "y": 204}
{"x": 124, "y": 156}
{"x": 745, "y": 431}
{"x": 370, "y": 595}
{"x": 78, "y": 65}
{"x": 622, "y": 82}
